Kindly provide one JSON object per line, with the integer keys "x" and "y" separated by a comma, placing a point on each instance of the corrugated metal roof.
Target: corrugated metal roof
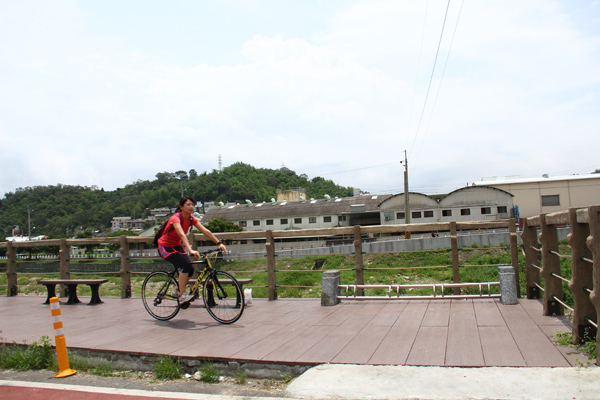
{"x": 284, "y": 209}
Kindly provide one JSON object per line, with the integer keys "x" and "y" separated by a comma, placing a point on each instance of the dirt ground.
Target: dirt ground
{"x": 131, "y": 380}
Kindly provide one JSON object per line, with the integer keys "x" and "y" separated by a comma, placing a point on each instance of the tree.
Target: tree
{"x": 221, "y": 225}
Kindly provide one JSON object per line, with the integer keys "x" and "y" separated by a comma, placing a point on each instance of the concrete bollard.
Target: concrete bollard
{"x": 330, "y": 288}
{"x": 508, "y": 289}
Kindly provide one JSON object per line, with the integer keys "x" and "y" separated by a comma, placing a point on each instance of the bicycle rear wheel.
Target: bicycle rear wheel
{"x": 159, "y": 295}
{"x": 223, "y": 297}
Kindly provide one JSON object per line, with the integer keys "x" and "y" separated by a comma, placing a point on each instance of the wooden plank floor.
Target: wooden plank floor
{"x": 466, "y": 333}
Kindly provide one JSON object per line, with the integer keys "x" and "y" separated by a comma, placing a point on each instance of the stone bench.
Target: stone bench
{"x": 72, "y": 289}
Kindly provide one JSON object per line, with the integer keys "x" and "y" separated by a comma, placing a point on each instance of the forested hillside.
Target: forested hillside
{"x": 62, "y": 210}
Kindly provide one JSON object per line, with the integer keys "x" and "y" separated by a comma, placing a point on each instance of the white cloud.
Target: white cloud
{"x": 93, "y": 107}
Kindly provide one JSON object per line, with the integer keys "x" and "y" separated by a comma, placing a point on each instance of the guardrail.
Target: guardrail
{"x": 543, "y": 263}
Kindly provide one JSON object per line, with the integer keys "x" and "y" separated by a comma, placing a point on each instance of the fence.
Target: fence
{"x": 584, "y": 268}
{"x": 358, "y": 233}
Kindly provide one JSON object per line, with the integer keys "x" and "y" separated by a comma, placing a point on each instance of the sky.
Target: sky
{"x": 105, "y": 93}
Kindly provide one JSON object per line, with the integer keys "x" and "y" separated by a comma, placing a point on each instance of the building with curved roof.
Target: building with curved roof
{"x": 470, "y": 203}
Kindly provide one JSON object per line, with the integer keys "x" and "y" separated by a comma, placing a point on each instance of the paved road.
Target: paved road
{"x": 21, "y": 390}
{"x": 334, "y": 381}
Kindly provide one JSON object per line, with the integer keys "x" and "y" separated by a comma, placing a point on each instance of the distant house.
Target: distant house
{"x": 127, "y": 224}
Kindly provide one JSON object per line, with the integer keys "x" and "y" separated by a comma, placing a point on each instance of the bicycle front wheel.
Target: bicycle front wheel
{"x": 223, "y": 297}
{"x": 159, "y": 295}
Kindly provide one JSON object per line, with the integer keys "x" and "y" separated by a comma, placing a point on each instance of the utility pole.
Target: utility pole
{"x": 406, "y": 202}
{"x": 28, "y": 223}
{"x": 406, "y": 207}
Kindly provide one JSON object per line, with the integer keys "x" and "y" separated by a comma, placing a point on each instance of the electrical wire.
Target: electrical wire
{"x": 430, "y": 78}
{"x": 441, "y": 80}
{"x": 412, "y": 104}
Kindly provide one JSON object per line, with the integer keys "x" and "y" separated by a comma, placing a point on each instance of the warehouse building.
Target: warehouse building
{"x": 536, "y": 196}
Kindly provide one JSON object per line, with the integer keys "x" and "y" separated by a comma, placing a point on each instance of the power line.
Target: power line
{"x": 431, "y": 77}
{"x": 441, "y": 79}
{"x": 412, "y": 104}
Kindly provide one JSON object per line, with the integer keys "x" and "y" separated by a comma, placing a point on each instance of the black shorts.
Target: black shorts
{"x": 182, "y": 262}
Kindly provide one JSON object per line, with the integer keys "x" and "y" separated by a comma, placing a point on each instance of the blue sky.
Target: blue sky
{"x": 108, "y": 92}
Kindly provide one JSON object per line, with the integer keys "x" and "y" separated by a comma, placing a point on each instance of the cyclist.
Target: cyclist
{"x": 174, "y": 246}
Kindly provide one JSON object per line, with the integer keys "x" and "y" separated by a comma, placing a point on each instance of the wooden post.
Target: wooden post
{"x": 125, "y": 268}
{"x": 514, "y": 253}
{"x": 64, "y": 254}
{"x": 550, "y": 265}
{"x": 581, "y": 278}
{"x": 593, "y": 243}
{"x": 532, "y": 274}
{"x": 358, "y": 260}
{"x": 193, "y": 242}
{"x": 455, "y": 263}
{"x": 11, "y": 270}
{"x": 271, "y": 272}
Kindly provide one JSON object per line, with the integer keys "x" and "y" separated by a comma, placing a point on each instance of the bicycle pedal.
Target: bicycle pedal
{"x": 184, "y": 306}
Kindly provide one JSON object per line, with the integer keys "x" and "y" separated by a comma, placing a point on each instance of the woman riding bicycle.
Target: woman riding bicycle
{"x": 172, "y": 245}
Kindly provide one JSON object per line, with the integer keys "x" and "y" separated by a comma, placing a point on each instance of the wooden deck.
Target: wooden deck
{"x": 466, "y": 333}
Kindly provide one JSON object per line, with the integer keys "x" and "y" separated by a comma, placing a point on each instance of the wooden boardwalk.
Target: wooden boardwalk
{"x": 465, "y": 333}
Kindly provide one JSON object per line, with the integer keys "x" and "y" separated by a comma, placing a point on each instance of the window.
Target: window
{"x": 486, "y": 210}
{"x": 553, "y": 200}
{"x": 502, "y": 209}
{"x": 465, "y": 211}
{"x": 416, "y": 214}
{"x": 326, "y": 219}
{"x": 256, "y": 222}
{"x": 446, "y": 213}
{"x": 428, "y": 214}
{"x": 341, "y": 218}
{"x": 269, "y": 222}
{"x": 297, "y": 220}
{"x": 283, "y": 221}
{"x": 312, "y": 220}
{"x": 400, "y": 215}
{"x": 242, "y": 223}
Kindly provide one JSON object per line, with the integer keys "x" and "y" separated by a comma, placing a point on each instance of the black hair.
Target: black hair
{"x": 184, "y": 200}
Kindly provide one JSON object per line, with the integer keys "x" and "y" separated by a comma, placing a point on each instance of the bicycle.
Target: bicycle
{"x": 221, "y": 292}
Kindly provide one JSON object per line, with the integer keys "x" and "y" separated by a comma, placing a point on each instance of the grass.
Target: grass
{"x": 210, "y": 373}
{"x": 240, "y": 377}
{"x": 167, "y": 368}
{"x": 296, "y": 279}
{"x": 588, "y": 347}
{"x": 41, "y": 355}
{"x": 38, "y": 355}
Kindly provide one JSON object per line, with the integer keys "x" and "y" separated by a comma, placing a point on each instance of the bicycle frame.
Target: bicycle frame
{"x": 205, "y": 258}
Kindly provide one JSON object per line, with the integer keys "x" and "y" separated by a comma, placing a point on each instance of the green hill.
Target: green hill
{"x": 62, "y": 210}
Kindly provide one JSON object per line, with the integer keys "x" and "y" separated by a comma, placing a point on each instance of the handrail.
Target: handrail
{"x": 584, "y": 284}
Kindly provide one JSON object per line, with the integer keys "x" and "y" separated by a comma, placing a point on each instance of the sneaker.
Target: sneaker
{"x": 185, "y": 298}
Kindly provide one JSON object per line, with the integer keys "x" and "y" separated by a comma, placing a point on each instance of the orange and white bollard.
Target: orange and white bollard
{"x": 59, "y": 338}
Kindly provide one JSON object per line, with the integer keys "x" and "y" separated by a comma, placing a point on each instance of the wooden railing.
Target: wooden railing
{"x": 270, "y": 238}
{"x": 543, "y": 263}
